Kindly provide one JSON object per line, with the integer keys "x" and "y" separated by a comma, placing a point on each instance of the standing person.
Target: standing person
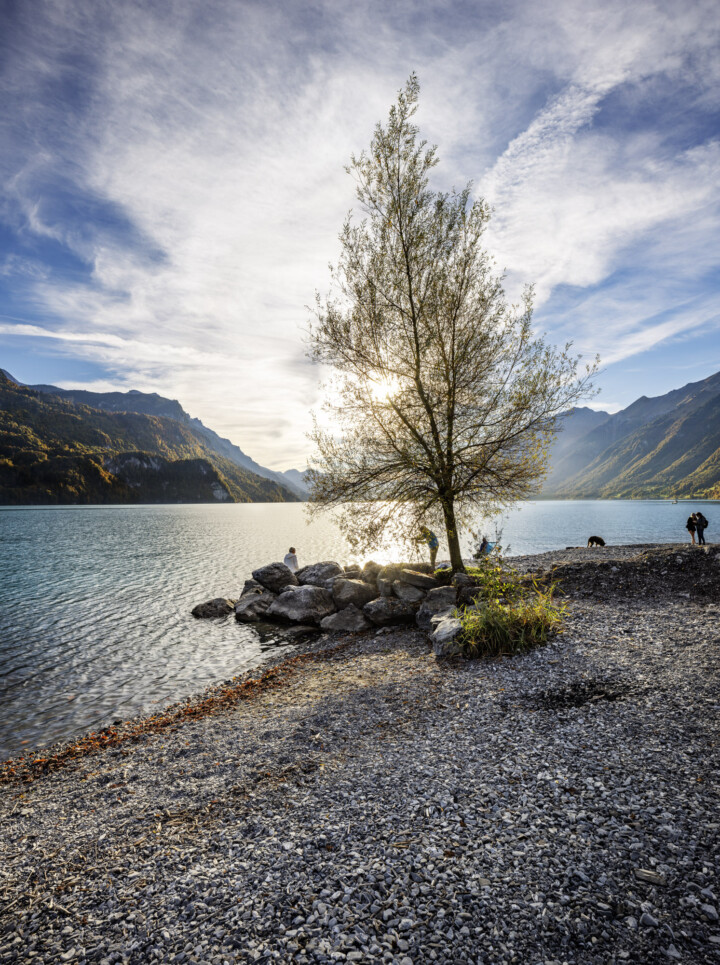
{"x": 427, "y": 536}
{"x": 690, "y": 527}
{"x": 291, "y": 560}
{"x": 700, "y": 524}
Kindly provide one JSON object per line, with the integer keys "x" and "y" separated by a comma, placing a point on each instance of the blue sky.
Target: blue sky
{"x": 173, "y": 184}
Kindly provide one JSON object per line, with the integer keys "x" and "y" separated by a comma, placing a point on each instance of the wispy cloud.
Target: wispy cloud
{"x": 190, "y": 161}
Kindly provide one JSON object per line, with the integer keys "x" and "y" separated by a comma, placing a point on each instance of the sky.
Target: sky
{"x": 172, "y": 184}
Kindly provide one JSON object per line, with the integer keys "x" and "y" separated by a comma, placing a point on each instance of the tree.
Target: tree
{"x": 443, "y": 400}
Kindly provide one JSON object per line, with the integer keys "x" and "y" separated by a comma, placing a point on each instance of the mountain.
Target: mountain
{"x": 150, "y": 403}
{"x": 295, "y": 478}
{"x": 54, "y": 449}
{"x": 656, "y": 447}
{"x": 567, "y": 455}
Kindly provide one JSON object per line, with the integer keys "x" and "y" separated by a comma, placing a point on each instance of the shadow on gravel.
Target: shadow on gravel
{"x": 577, "y": 695}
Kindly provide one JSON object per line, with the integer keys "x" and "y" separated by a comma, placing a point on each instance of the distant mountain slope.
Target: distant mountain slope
{"x": 297, "y": 479}
{"x": 659, "y": 447}
{"x": 150, "y": 403}
{"x": 567, "y": 456}
{"x": 53, "y": 450}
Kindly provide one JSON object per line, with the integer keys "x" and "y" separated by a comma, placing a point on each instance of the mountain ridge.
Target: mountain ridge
{"x": 56, "y": 450}
{"x": 661, "y": 446}
{"x": 150, "y": 403}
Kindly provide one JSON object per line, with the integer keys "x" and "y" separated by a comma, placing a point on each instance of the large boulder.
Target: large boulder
{"x": 219, "y": 607}
{"x": 421, "y": 580}
{"x": 421, "y": 567}
{"x": 370, "y": 571}
{"x": 408, "y": 593}
{"x": 253, "y": 606}
{"x": 437, "y": 600}
{"x": 319, "y": 574}
{"x": 352, "y": 592}
{"x": 388, "y": 610}
{"x": 470, "y": 594}
{"x": 250, "y": 586}
{"x": 462, "y": 581}
{"x": 445, "y": 636}
{"x": 390, "y": 572}
{"x": 275, "y": 577}
{"x": 304, "y": 604}
{"x": 350, "y": 619}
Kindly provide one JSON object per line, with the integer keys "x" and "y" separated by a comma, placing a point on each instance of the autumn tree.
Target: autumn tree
{"x": 442, "y": 399}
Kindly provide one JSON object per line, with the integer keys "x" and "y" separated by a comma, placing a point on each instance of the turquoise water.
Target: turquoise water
{"x": 95, "y": 618}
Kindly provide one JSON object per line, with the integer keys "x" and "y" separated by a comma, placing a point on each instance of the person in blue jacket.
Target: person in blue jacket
{"x": 427, "y": 536}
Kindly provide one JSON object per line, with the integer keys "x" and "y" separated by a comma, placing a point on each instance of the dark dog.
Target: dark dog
{"x": 596, "y": 541}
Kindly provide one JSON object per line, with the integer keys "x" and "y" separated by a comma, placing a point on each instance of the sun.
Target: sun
{"x": 384, "y": 389}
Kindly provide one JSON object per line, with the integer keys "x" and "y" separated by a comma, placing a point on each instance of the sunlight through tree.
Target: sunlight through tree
{"x": 443, "y": 399}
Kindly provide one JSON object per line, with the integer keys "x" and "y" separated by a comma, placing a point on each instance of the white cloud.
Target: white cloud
{"x": 220, "y": 134}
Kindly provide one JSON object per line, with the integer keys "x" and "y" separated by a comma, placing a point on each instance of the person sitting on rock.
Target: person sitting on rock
{"x": 291, "y": 560}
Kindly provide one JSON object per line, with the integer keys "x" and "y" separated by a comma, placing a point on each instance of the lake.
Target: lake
{"x": 95, "y": 602}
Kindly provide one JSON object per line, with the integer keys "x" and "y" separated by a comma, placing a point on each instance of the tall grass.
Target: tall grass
{"x": 512, "y": 614}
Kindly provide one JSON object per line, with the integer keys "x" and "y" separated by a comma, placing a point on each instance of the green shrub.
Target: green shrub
{"x": 512, "y": 613}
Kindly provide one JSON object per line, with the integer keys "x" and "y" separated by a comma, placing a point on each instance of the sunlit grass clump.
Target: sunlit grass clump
{"x": 512, "y": 614}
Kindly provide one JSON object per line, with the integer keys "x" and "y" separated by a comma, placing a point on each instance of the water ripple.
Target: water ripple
{"x": 95, "y": 607}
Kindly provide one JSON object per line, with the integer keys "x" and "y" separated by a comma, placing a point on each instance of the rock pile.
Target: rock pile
{"x": 345, "y": 599}
{"x": 332, "y": 598}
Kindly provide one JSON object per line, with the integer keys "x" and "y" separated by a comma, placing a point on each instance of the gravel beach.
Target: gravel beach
{"x": 366, "y": 802}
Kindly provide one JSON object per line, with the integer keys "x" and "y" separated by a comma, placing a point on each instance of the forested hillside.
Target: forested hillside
{"x": 53, "y": 450}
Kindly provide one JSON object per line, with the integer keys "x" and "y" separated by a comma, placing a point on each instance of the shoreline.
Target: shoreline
{"x": 374, "y": 804}
{"x": 188, "y": 705}
{"x": 214, "y": 695}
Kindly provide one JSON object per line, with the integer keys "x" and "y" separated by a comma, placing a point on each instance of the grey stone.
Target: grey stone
{"x": 318, "y": 574}
{"x": 219, "y": 607}
{"x": 252, "y": 606}
{"x": 297, "y": 634}
{"x": 414, "y": 578}
{"x": 445, "y": 637}
{"x": 251, "y": 585}
{"x": 305, "y": 604}
{"x": 436, "y": 601}
{"x": 461, "y": 580}
{"x": 651, "y": 877}
{"x": 349, "y": 619}
{"x": 390, "y": 572}
{"x": 469, "y": 594}
{"x": 355, "y": 592}
{"x": 387, "y": 610}
{"x": 385, "y": 587}
{"x": 407, "y": 592}
{"x": 647, "y": 921}
{"x": 274, "y": 577}
{"x": 370, "y": 571}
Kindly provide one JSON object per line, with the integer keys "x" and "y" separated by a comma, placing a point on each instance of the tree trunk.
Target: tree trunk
{"x": 453, "y": 539}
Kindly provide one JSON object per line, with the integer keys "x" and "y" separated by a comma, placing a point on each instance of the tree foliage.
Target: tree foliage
{"x": 442, "y": 399}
